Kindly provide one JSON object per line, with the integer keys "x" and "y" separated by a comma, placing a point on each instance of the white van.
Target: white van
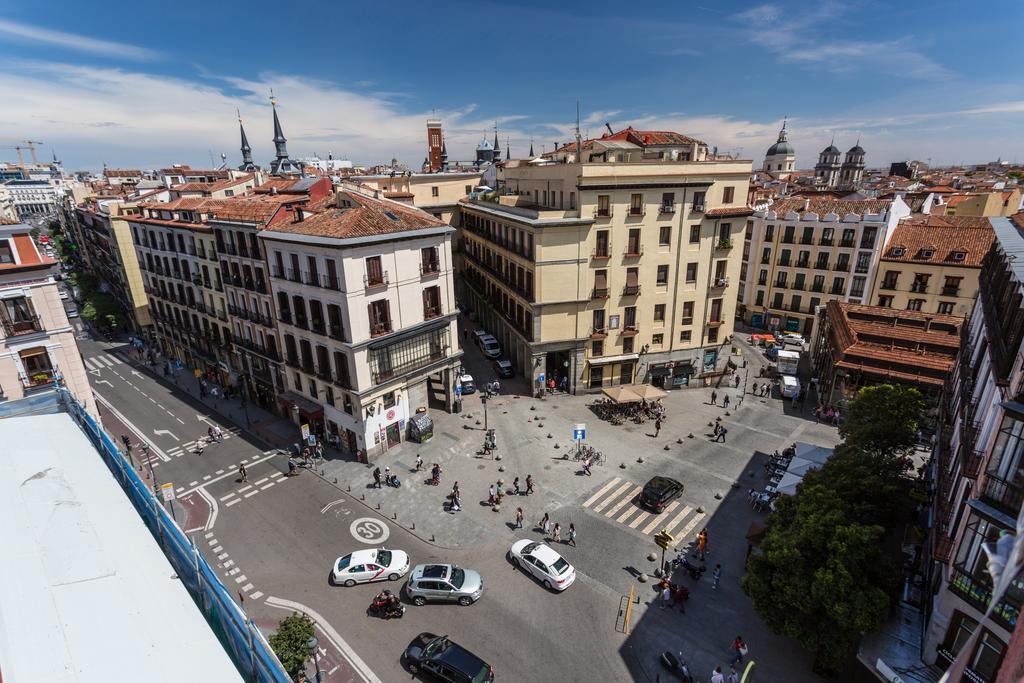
{"x": 789, "y": 386}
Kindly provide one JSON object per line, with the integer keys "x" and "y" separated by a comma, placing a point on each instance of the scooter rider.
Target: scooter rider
{"x": 292, "y": 467}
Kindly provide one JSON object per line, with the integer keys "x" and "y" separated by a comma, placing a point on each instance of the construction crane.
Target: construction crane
{"x": 32, "y": 148}
{"x": 21, "y": 159}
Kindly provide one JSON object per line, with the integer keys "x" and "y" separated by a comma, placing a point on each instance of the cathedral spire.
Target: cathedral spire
{"x": 508, "y": 150}
{"x": 531, "y": 148}
{"x": 247, "y": 164}
{"x": 281, "y": 164}
{"x": 497, "y": 144}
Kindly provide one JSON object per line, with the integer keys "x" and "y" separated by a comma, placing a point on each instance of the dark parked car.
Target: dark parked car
{"x": 659, "y": 492}
{"x": 503, "y": 367}
{"x": 447, "y": 661}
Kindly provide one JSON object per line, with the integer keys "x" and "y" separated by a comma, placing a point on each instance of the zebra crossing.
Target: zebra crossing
{"x": 102, "y": 361}
{"x": 250, "y": 490}
{"x": 614, "y": 501}
{"x": 190, "y": 447}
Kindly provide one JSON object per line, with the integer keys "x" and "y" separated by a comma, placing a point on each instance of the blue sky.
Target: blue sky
{"x": 160, "y": 83}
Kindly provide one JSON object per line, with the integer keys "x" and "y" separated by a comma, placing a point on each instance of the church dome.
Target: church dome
{"x": 484, "y": 146}
{"x": 856, "y": 149}
{"x": 781, "y": 148}
{"x": 831, "y": 149}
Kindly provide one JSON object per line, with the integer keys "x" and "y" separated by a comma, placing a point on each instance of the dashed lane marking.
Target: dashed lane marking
{"x": 264, "y": 488}
{"x": 251, "y": 493}
{"x": 232, "y": 502}
{"x": 247, "y": 587}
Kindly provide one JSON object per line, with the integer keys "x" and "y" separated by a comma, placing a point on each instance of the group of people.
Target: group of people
{"x": 549, "y": 529}
{"x": 387, "y": 477}
{"x": 763, "y": 389}
{"x": 830, "y": 415}
{"x": 496, "y": 492}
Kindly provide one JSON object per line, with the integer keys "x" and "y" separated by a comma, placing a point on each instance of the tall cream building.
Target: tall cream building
{"x": 618, "y": 269}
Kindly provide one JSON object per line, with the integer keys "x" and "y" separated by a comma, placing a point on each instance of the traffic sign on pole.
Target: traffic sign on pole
{"x": 305, "y": 432}
{"x": 579, "y": 432}
{"x": 168, "y": 491}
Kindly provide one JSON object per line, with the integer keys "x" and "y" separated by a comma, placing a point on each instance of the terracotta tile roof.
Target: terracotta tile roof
{"x": 943, "y": 235}
{"x": 231, "y": 182}
{"x": 358, "y": 216}
{"x": 823, "y": 206}
{"x": 638, "y": 137}
{"x": 941, "y": 189}
{"x": 1018, "y": 220}
{"x": 192, "y": 187}
{"x": 729, "y": 211}
{"x": 181, "y": 204}
{"x": 399, "y": 195}
{"x": 122, "y": 173}
{"x": 892, "y": 344}
{"x": 249, "y": 209}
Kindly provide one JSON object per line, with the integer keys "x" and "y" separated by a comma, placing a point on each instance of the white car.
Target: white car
{"x": 64, "y": 294}
{"x": 364, "y": 566}
{"x": 544, "y": 563}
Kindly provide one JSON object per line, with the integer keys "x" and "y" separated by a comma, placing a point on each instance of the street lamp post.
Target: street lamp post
{"x": 312, "y": 645}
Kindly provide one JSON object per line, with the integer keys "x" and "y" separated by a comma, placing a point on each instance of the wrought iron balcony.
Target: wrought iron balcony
{"x": 28, "y": 325}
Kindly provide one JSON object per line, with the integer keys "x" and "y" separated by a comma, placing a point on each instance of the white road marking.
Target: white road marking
{"x": 222, "y": 556}
{"x": 689, "y": 527}
{"x": 275, "y": 475}
{"x": 240, "y": 579}
{"x": 212, "y": 519}
{"x": 209, "y": 535}
{"x": 138, "y": 432}
{"x": 250, "y": 494}
{"x": 206, "y": 477}
{"x": 618, "y": 506}
{"x": 229, "y": 563}
{"x": 264, "y": 488}
{"x": 256, "y": 596}
{"x": 331, "y": 634}
{"x": 636, "y": 522}
{"x": 89, "y": 364}
{"x": 601, "y": 491}
{"x": 212, "y": 541}
{"x": 660, "y": 518}
{"x": 630, "y": 511}
{"x": 218, "y": 549}
{"x": 193, "y": 483}
{"x": 678, "y": 518}
{"x": 255, "y": 461}
{"x": 261, "y": 481}
{"x": 230, "y": 495}
{"x": 106, "y": 361}
{"x": 247, "y": 587}
{"x": 618, "y": 492}
{"x": 220, "y": 471}
{"x": 232, "y": 502}
{"x": 117, "y": 361}
{"x": 245, "y": 488}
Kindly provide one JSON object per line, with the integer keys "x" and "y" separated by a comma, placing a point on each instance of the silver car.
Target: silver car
{"x": 444, "y": 583}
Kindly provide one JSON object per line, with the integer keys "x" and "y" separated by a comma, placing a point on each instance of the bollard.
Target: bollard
{"x": 679, "y": 440}
{"x": 431, "y": 538}
{"x": 362, "y": 497}
{"x": 413, "y": 527}
{"x": 348, "y": 488}
{"x": 378, "y": 506}
{"x": 666, "y": 447}
{"x": 640, "y": 460}
{"x": 394, "y": 515}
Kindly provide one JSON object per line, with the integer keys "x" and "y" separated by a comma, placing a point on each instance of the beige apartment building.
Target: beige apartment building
{"x": 105, "y": 242}
{"x": 37, "y": 343}
{"x": 802, "y": 252}
{"x": 620, "y": 269}
{"x": 436, "y": 193}
{"x": 363, "y": 291}
{"x": 931, "y": 264}
{"x": 997, "y": 203}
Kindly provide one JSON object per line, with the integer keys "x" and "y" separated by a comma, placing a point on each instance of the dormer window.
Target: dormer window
{"x": 959, "y": 255}
{"x": 927, "y": 253}
{"x": 898, "y": 251}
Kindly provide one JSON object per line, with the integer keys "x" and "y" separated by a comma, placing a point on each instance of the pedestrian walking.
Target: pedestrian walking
{"x": 716, "y": 576}
{"x": 419, "y": 462}
{"x": 586, "y": 466}
{"x": 242, "y": 474}
{"x": 456, "y": 501}
{"x": 721, "y": 435}
{"x": 490, "y": 495}
{"x": 657, "y": 427}
{"x": 529, "y": 484}
{"x": 556, "y": 534}
{"x": 725, "y": 401}
{"x": 219, "y": 433}
{"x": 499, "y": 491}
{"x": 209, "y": 434}
{"x": 714, "y": 398}
{"x": 515, "y": 486}
{"x": 455, "y": 489}
{"x": 733, "y": 677}
{"x": 545, "y": 524}
{"x": 702, "y": 543}
{"x": 572, "y": 534}
{"x": 716, "y": 675}
{"x": 666, "y": 595}
{"x": 376, "y": 477}
{"x": 519, "y": 518}
{"x": 739, "y": 649}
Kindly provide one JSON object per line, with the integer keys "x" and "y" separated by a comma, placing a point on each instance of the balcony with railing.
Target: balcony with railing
{"x": 846, "y": 244}
{"x": 631, "y": 290}
{"x": 1004, "y": 494}
{"x": 888, "y": 284}
{"x": 824, "y": 241}
{"x": 976, "y": 589}
{"x": 919, "y": 287}
{"x": 380, "y": 279}
{"x": 602, "y": 253}
{"x": 605, "y": 212}
{"x": 634, "y": 250}
{"x": 667, "y": 208}
{"x": 598, "y": 333}
{"x": 803, "y": 263}
{"x": 43, "y": 378}
{"x": 636, "y": 212}
{"x": 16, "y": 328}
{"x": 430, "y": 312}
{"x": 784, "y": 262}
{"x": 331, "y": 282}
{"x": 430, "y": 267}
{"x": 335, "y": 331}
{"x": 380, "y": 327}
{"x": 600, "y": 293}
{"x": 720, "y": 282}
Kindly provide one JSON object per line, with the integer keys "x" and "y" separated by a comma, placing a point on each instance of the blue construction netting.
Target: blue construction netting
{"x": 249, "y": 650}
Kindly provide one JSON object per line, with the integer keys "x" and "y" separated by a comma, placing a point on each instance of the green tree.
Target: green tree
{"x": 883, "y": 418}
{"x": 822, "y": 579}
{"x": 289, "y": 641}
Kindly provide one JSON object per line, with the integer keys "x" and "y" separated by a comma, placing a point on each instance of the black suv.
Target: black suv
{"x": 446, "y": 660}
{"x": 658, "y": 492}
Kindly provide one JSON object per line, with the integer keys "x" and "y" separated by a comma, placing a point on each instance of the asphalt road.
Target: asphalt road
{"x": 274, "y": 540}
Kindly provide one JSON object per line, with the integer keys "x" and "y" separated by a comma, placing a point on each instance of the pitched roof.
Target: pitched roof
{"x": 638, "y": 137}
{"x": 943, "y": 235}
{"x": 823, "y": 206}
{"x": 356, "y": 215}
{"x": 192, "y": 187}
{"x": 122, "y": 173}
{"x": 729, "y": 211}
{"x": 249, "y": 209}
{"x": 886, "y": 344}
{"x": 1018, "y": 220}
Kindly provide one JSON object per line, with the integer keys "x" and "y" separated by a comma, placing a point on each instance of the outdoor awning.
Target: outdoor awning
{"x": 605, "y": 360}
{"x": 600, "y": 280}
{"x": 647, "y": 392}
{"x": 305, "y": 406}
{"x": 661, "y": 371}
{"x": 631, "y": 277}
{"x": 621, "y": 394}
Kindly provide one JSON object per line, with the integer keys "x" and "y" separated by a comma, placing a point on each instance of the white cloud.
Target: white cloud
{"x": 106, "y": 48}
{"x": 93, "y": 114}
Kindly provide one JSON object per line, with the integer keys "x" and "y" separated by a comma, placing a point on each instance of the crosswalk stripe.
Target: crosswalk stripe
{"x": 601, "y": 491}
{"x": 230, "y": 495}
{"x": 232, "y": 502}
{"x": 89, "y": 364}
{"x": 689, "y": 527}
{"x": 256, "y": 596}
{"x": 630, "y": 511}
{"x": 659, "y": 518}
{"x": 618, "y": 506}
{"x": 678, "y": 518}
{"x": 106, "y": 361}
{"x": 642, "y": 517}
{"x": 117, "y": 361}
{"x": 618, "y": 492}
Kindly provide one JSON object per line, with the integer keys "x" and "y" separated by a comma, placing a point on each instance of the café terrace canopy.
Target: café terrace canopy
{"x": 634, "y": 393}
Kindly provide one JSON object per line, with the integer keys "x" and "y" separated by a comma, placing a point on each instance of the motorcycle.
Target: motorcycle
{"x": 677, "y": 666}
{"x": 386, "y": 609}
{"x": 695, "y": 571}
